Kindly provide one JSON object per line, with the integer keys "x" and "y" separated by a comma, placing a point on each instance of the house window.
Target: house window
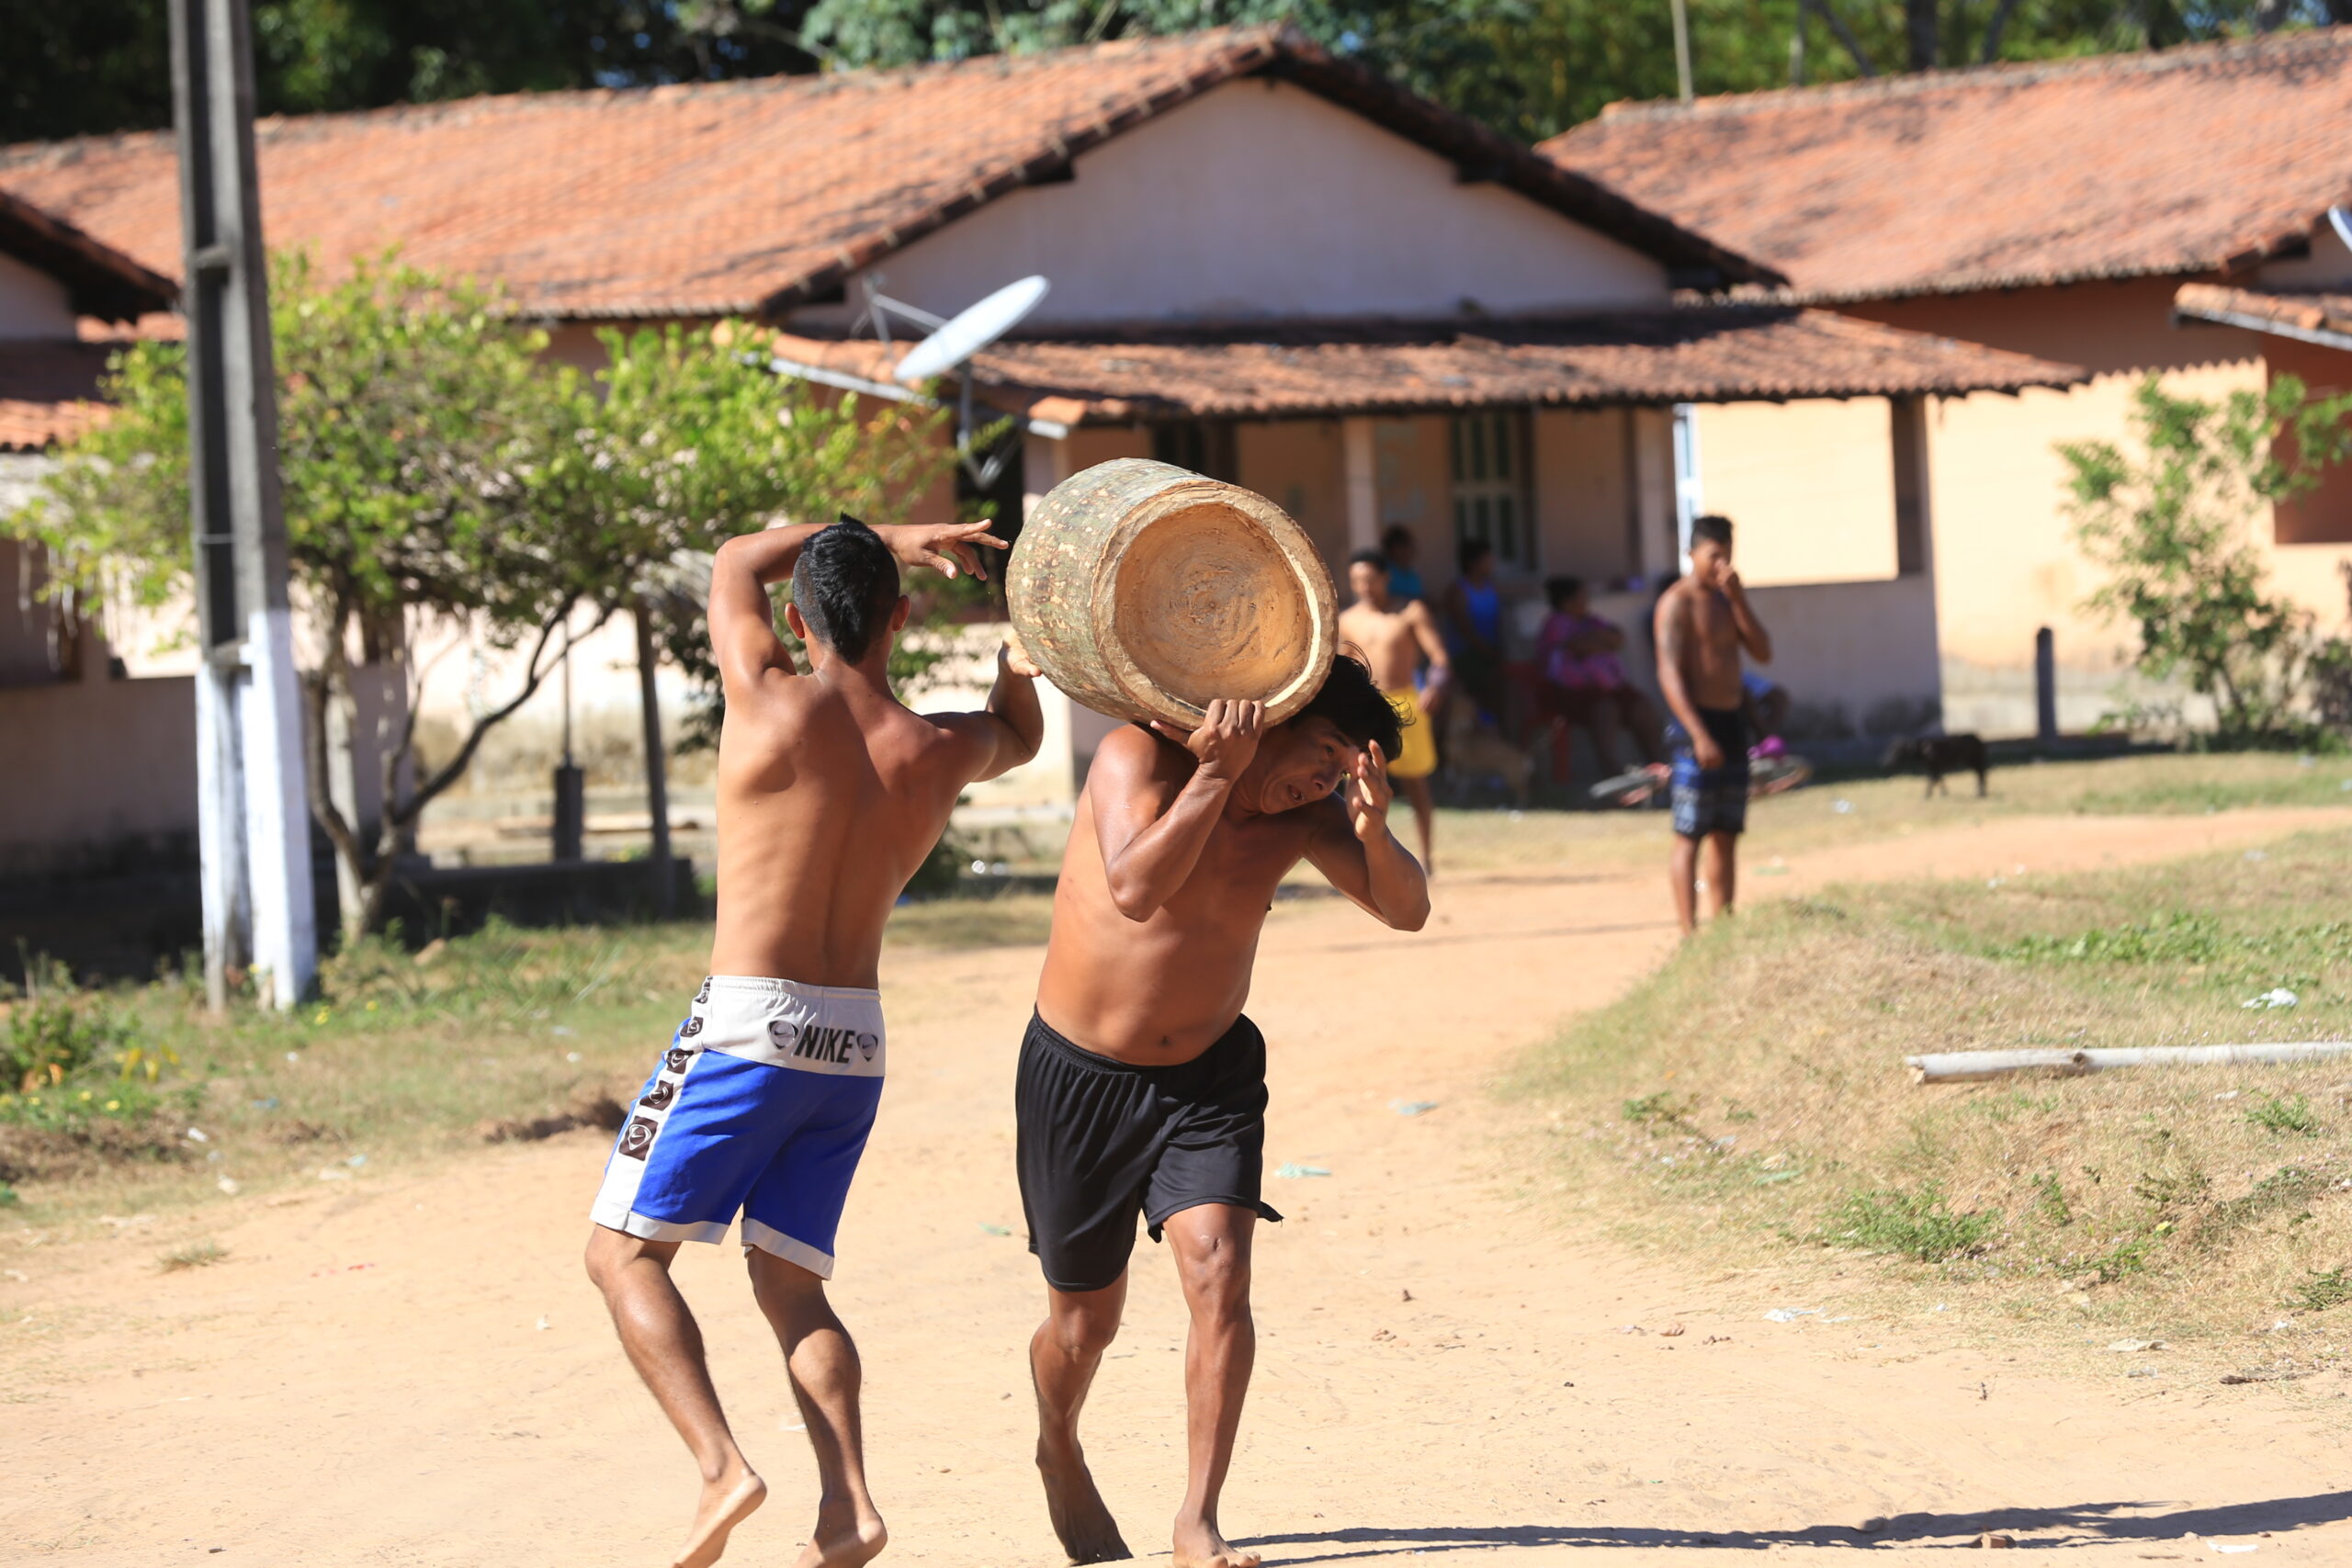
{"x": 1204, "y": 446}
{"x": 1490, "y": 484}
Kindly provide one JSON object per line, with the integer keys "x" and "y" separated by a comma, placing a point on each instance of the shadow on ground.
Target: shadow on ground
{"x": 2086, "y": 1524}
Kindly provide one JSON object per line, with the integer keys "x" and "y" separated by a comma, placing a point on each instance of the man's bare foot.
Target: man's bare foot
{"x": 846, "y": 1542}
{"x": 726, "y": 1503}
{"x": 1199, "y": 1544}
{"x": 1081, "y": 1519}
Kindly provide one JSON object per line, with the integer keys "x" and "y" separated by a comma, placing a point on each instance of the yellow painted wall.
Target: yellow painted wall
{"x": 1809, "y": 487}
{"x": 1297, "y": 465}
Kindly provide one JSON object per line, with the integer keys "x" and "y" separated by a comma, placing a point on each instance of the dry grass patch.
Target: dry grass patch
{"x": 1751, "y": 1097}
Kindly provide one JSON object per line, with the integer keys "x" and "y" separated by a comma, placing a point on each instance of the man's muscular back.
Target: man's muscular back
{"x": 827, "y": 805}
{"x": 832, "y": 792}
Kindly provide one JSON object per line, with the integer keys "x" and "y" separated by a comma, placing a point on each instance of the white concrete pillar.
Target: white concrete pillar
{"x": 1044, "y": 465}
{"x": 1361, "y": 465}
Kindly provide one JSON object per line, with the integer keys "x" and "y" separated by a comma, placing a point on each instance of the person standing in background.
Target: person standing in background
{"x": 1398, "y": 548}
{"x": 1474, "y": 628}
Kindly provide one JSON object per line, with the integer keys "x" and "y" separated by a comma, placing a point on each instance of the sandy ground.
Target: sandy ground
{"x": 409, "y": 1368}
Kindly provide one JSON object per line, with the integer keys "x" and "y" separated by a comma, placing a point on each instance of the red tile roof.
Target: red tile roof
{"x": 2207, "y": 157}
{"x": 714, "y": 199}
{"x": 100, "y": 280}
{"x": 2314, "y": 318}
{"x": 48, "y": 391}
{"x": 1722, "y": 354}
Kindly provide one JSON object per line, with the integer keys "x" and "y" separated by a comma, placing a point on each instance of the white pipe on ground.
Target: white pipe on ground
{"x": 1968, "y": 1066}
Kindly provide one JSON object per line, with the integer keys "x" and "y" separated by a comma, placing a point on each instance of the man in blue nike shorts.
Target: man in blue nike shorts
{"x": 830, "y": 794}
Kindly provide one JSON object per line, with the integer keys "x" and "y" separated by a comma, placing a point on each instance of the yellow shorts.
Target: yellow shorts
{"x": 1417, "y": 758}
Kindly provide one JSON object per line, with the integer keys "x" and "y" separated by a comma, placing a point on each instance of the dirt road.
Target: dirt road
{"x": 409, "y": 1368}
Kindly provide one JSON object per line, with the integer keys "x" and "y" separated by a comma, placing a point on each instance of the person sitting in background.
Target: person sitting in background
{"x": 1397, "y": 548}
{"x": 1584, "y": 679}
{"x": 1474, "y": 628}
{"x": 1768, "y": 708}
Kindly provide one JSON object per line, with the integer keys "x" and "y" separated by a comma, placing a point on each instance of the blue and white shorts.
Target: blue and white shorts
{"x": 761, "y": 1103}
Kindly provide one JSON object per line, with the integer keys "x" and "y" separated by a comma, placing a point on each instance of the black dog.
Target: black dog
{"x": 1938, "y": 755}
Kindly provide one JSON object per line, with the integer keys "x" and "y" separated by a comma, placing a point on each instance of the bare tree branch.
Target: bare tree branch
{"x": 1845, "y": 36}
{"x": 1991, "y": 50}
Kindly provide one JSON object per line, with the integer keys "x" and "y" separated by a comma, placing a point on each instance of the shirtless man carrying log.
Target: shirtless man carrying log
{"x": 1394, "y": 638}
{"x": 830, "y": 794}
{"x": 1142, "y": 1087}
{"x": 1703, "y": 622}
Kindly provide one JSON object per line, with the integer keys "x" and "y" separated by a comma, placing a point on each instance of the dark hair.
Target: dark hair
{"x": 845, "y": 584}
{"x": 1472, "y": 552}
{"x": 1370, "y": 557}
{"x": 1396, "y": 533}
{"x": 1558, "y": 590}
{"x": 1351, "y": 703}
{"x": 1715, "y": 527}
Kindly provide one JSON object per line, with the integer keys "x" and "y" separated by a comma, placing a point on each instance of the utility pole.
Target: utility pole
{"x": 252, "y": 806}
{"x": 1682, "y": 50}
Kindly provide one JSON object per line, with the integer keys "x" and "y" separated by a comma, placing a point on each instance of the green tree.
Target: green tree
{"x": 442, "y": 476}
{"x": 2173, "y": 528}
{"x": 82, "y": 67}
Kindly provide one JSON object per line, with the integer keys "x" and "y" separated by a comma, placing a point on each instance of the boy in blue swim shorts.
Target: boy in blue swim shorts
{"x": 1704, "y": 623}
{"x": 830, "y": 795}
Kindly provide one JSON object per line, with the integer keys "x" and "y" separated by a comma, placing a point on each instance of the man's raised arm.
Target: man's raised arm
{"x": 1150, "y": 835}
{"x": 1357, "y": 854}
{"x": 1009, "y": 730}
{"x": 1752, "y": 634}
{"x": 742, "y": 620}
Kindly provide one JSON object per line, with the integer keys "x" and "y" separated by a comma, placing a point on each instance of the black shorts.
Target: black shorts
{"x": 1102, "y": 1141}
{"x": 1709, "y": 801}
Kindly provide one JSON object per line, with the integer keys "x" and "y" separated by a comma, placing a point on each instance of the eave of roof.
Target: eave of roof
{"x": 48, "y": 392}
{"x": 1722, "y": 354}
{"x": 2320, "y": 317}
{"x": 831, "y": 153}
{"x": 2201, "y": 159}
{"x": 100, "y": 280}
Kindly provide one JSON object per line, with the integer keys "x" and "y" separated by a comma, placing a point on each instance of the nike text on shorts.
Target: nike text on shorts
{"x": 761, "y": 1103}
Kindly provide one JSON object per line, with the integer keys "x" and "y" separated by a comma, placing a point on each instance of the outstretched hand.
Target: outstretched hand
{"x": 1369, "y": 794}
{"x": 1225, "y": 740}
{"x": 942, "y": 546}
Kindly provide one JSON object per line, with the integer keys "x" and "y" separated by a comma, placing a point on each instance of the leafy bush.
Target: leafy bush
{"x": 49, "y": 1041}
{"x": 1913, "y": 1224}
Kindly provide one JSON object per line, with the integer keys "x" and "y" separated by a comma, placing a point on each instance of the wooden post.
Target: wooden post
{"x": 1361, "y": 462}
{"x": 2045, "y": 686}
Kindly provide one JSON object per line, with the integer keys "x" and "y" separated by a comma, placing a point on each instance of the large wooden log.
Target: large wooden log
{"x": 1145, "y": 591}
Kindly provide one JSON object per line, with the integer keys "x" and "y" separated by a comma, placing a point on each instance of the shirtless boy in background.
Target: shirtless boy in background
{"x": 1703, "y": 622}
{"x": 1394, "y": 638}
{"x": 1142, "y": 1088}
{"x": 830, "y": 794}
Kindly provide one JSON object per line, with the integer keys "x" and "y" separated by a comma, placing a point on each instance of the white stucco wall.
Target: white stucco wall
{"x": 2328, "y": 267}
{"x": 32, "y": 303}
{"x": 1260, "y": 199}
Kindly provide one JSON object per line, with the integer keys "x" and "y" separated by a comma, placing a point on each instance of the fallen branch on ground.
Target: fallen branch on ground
{"x": 1968, "y": 1066}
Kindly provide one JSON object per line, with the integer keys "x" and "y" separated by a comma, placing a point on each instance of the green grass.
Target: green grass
{"x": 1750, "y": 1098}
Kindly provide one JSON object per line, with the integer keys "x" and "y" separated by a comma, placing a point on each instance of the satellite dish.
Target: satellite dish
{"x": 970, "y": 331}
{"x": 2341, "y": 218}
